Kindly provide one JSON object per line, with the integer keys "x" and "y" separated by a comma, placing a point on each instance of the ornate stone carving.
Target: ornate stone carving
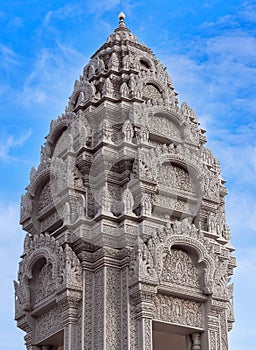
{"x": 128, "y": 201}
{"x": 48, "y": 323}
{"x": 39, "y": 247}
{"x": 113, "y": 310}
{"x": 221, "y": 279}
{"x": 44, "y": 285}
{"x": 178, "y": 269}
{"x": 141, "y": 262}
{"x": 196, "y": 341}
{"x": 124, "y": 90}
{"x": 107, "y": 89}
{"x": 25, "y": 207}
{"x": 134, "y": 206}
{"x": 113, "y": 62}
{"x": 128, "y": 131}
{"x": 175, "y": 177}
{"x": 45, "y": 197}
{"x": 71, "y": 269}
{"x": 161, "y": 125}
{"x": 178, "y": 311}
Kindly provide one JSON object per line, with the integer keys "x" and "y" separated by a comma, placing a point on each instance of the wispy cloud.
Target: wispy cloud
{"x": 9, "y": 142}
{"x": 102, "y": 6}
{"x": 7, "y": 56}
{"x": 70, "y": 10}
{"x": 52, "y": 73}
{"x": 248, "y": 11}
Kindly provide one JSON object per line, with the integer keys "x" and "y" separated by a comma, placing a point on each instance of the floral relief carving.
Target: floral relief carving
{"x": 25, "y": 207}
{"x": 182, "y": 233}
{"x": 178, "y": 269}
{"x": 175, "y": 177}
{"x": 98, "y": 334}
{"x": 113, "y": 300}
{"x": 141, "y": 262}
{"x": 44, "y": 285}
{"x": 221, "y": 279}
{"x": 161, "y": 125}
{"x": 48, "y": 323}
{"x": 45, "y": 197}
{"x": 178, "y": 311}
{"x": 72, "y": 270}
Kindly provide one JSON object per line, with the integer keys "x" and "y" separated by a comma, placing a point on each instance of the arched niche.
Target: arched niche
{"x": 178, "y": 190}
{"x": 165, "y": 128}
{"x": 45, "y": 214}
{"x": 41, "y": 284}
{"x": 177, "y": 178}
{"x": 145, "y": 64}
{"x": 181, "y": 270}
{"x": 44, "y": 197}
{"x": 56, "y": 133}
{"x": 152, "y": 92}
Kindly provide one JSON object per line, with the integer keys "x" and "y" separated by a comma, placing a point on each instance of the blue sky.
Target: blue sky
{"x": 209, "y": 48}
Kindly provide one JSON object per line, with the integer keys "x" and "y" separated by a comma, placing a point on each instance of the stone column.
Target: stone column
{"x": 196, "y": 343}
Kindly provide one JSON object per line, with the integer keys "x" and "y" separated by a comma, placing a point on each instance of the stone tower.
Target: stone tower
{"x": 127, "y": 246}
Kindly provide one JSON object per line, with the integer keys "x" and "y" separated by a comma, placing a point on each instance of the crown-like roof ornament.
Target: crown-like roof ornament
{"x": 121, "y": 18}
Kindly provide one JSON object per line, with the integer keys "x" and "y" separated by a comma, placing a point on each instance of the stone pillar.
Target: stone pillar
{"x": 144, "y": 329}
{"x": 196, "y": 343}
{"x": 70, "y": 321}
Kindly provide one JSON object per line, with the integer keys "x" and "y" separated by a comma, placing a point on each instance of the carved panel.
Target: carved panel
{"x": 178, "y": 269}
{"x": 161, "y": 125}
{"x": 133, "y": 331}
{"x": 178, "y": 311}
{"x": 176, "y": 178}
{"x": 113, "y": 309}
{"x": 88, "y": 309}
{"x": 48, "y": 323}
{"x": 98, "y": 334}
{"x": 213, "y": 340}
{"x": 45, "y": 198}
{"x": 44, "y": 285}
{"x": 148, "y": 334}
{"x": 125, "y": 331}
{"x": 150, "y": 91}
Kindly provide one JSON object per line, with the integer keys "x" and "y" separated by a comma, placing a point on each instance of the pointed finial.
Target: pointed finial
{"x": 121, "y": 19}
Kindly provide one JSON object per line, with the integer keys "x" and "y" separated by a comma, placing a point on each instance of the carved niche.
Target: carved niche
{"x": 42, "y": 284}
{"x": 179, "y": 269}
{"x": 151, "y": 91}
{"x": 163, "y": 126}
{"x": 45, "y": 198}
{"x": 175, "y": 177}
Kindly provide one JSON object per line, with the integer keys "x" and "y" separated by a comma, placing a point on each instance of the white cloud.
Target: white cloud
{"x": 9, "y": 142}
{"x": 52, "y": 76}
{"x": 62, "y": 13}
{"x": 248, "y": 11}
{"x": 8, "y": 57}
{"x": 101, "y": 6}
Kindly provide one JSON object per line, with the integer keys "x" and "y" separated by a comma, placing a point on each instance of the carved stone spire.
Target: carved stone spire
{"x": 125, "y": 217}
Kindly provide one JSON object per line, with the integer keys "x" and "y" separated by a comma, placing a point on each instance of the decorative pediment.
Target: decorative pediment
{"x": 45, "y": 269}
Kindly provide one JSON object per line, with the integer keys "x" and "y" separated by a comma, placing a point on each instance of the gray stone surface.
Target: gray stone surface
{"x": 127, "y": 242}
